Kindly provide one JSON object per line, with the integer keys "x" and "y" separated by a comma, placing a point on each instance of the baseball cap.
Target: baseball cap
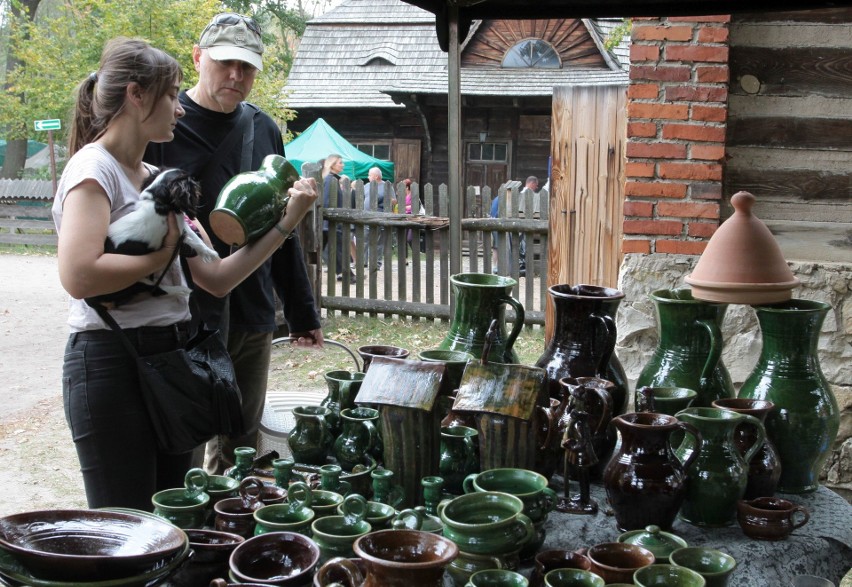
{"x": 233, "y": 36}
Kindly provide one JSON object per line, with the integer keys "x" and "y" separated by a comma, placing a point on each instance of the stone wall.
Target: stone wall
{"x": 830, "y": 283}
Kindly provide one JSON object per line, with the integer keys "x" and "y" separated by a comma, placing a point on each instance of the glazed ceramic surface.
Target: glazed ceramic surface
{"x": 486, "y": 523}
{"x": 358, "y": 438}
{"x": 595, "y": 397}
{"x": 405, "y": 557}
{"x": 645, "y": 480}
{"x": 311, "y": 439}
{"x": 770, "y": 518}
{"x": 804, "y": 422}
{"x": 459, "y": 456}
{"x": 714, "y": 565}
{"x": 665, "y": 575}
{"x": 480, "y": 298}
{"x": 342, "y": 386}
{"x": 616, "y": 562}
{"x": 689, "y": 350}
{"x": 278, "y": 558}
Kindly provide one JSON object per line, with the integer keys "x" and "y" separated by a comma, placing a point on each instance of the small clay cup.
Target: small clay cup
{"x": 617, "y": 561}
{"x": 714, "y": 565}
{"x": 770, "y": 518}
{"x": 211, "y": 551}
{"x": 497, "y": 578}
{"x": 325, "y": 503}
{"x": 549, "y": 560}
{"x": 667, "y": 576}
{"x": 368, "y": 352}
{"x": 671, "y": 400}
{"x": 276, "y": 558}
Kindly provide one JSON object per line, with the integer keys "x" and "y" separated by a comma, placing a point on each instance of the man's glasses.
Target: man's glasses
{"x": 232, "y": 18}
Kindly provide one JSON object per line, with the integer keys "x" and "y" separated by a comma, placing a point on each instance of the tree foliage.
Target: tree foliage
{"x": 53, "y": 52}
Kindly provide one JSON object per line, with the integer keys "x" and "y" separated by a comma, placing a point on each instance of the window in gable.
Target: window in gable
{"x": 532, "y": 53}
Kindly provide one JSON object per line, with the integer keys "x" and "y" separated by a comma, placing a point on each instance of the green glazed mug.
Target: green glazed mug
{"x": 454, "y": 362}
{"x": 497, "y": 578}
{"x": 184, "y": 507}
{"x": 572, "y": 578}
{"x": 714, "y": 565}
{"x": 336, "y": 534}
{"x": 325, "y": 503}
{"x": 486, "y": 522}
{"x": 379, "y": 515}
{"x": 252, "y": 201}
{"x": 667, "y": 576}
{"x": 295, "y": 515}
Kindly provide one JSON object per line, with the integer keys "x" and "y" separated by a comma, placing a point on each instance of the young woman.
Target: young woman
{"x": 131, "y": 100}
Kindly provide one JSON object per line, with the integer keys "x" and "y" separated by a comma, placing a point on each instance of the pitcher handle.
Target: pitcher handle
{"x": 547, "y": 417}
{"x": 529, "y": 528}
{"x": 516, "y": 326}
{"x": 467, "y": 484}
{"x": 354, "y": 578}
{"x": 761, "y": 436}
{"x": 606, "y": 416}
{"x": 693, "y": 454}
{"x": 805, "y": 516}
{"x": 715, "y": 334}
{"x": 609, "y": 342}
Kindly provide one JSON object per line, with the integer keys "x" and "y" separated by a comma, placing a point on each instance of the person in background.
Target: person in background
{"x": 374, "y": 177}
{"x": 530, "y": 184}
{"x": 331, "y": 172}
{"x": 409, "y": 234}
{"x": 131, "y": 100}
{"x": 228, "y": 57}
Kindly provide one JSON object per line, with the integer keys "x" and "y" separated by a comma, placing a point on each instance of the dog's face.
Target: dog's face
{"x": 174, "y": 190}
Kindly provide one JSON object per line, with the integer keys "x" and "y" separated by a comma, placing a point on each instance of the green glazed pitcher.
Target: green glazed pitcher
{"x": 310, "y": 439}
{"x": 479, "y": 299}
{"x": 804, "y": 422}
{"x": 716, "y": 479}
{"x": 252, "y": 201}
{"x": 689, "y": 352}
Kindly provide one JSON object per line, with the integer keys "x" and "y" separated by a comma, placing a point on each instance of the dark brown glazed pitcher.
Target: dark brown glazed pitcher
{"x": 645, "y": 482}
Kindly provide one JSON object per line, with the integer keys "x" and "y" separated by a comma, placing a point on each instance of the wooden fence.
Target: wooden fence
{"x": 25, "y": 212}
{"x": 415, "y": 281}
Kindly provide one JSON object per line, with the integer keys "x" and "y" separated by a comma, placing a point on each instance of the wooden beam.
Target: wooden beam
{"x": 794, "y": 71}
{"x": 802, "y": 133}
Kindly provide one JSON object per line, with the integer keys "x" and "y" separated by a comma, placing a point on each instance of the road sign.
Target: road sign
{"x": 52, "y": 124}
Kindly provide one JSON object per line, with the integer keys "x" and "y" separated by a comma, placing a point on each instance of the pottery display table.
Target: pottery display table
{"x": 821, "y": 547}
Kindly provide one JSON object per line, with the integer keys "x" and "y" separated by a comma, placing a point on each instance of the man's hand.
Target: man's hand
{"x": 309, "y": 339}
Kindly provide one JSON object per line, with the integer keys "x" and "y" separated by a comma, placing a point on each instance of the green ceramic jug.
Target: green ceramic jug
{"x": 310, "y": 439}
{"x": 251, "y": 202}
{"x": 804, "y": 422}
{"x": 479, "y": 299}
{"x": 342, "y": 386}
{"x": 359, "y": 437}
{"x": 717, "y": 478}
{"x": 689, "y": 352}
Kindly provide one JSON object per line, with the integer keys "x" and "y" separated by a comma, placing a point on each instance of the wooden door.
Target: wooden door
{"x": 587, "y": 190}
{"x": 406, "y": 160}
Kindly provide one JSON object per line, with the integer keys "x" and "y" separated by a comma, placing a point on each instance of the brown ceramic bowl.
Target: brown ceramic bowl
{"x": 275, "y": 558}
{"x": 617, "y": 561}
{"x": 549, "y": 560}
{"x": 89, "y": 545}
{"x": 211, "y": 550}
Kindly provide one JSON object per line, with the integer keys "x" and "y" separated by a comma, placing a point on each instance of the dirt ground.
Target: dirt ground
{"x": 39, "y": 466}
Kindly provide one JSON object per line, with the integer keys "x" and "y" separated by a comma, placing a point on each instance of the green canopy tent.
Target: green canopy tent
{"x": 33, "y": 147}
{"x": 320, "y": 140}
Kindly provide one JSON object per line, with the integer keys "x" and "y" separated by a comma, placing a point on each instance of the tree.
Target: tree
{"x": 56, "y": 50}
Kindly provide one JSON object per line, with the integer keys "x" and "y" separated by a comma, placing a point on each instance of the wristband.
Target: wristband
{"x": 282, "y": 230}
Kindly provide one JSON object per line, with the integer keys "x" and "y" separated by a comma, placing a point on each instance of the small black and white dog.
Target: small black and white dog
{"x": 142, "y": 231}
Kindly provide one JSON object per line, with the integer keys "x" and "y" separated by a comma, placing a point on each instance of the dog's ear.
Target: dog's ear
{"x": 186, "y": 194}
{"x": 150, "y": 179}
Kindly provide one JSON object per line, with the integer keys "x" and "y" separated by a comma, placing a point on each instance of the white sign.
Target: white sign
{"x": 52, "y": 124}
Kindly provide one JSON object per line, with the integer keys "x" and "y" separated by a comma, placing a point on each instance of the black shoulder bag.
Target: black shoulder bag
{"x": 190, "y": 393}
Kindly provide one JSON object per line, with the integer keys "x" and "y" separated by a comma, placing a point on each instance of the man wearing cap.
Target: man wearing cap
{"x": 220, "y": 136}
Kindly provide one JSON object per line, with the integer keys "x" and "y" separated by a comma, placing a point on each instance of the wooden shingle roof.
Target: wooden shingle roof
{"x": 363, "y": 51}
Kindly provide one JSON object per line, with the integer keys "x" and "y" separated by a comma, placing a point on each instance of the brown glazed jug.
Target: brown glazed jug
{"x": 583, "y": 342}
{"x": 645, "y": 481}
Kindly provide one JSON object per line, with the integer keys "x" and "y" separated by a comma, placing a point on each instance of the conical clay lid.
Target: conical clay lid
{"x": 742, "y": 263}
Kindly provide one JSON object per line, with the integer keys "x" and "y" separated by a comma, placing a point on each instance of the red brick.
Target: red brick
{"x": 645, "y": 209}
{"x": 696, "y": 53}
{"x": 687, "y": 210}
{"x": 713, "y": 35}
{"x": 634, "y": 169}
{"x": 690, "y": 171}
{"x": 636, "y": 246}
{"x": 694, "y": 132}
{"x": 656, "y": 150}
{"x": 657, "y": 111}
{"x": 668, "y": 227}
{"x": 641, "y": 129}
{"x": 644, "y": 53}
{"x": 707, "y": 152}
{"x": 663, "y": 73}
{"x": 712, "y": 73}
{"x": 680, "y": 247}
{"x": 643, "y": 91}
{"x": 715, "y": 18}
{"x": 705, "y": 191}
{"x": 702, "y": 229}
{"x": 691, "y": 93}
{"x": 644, "y": 32}
{"x": 709, "y": 113}
{"x": 656, "y": 189}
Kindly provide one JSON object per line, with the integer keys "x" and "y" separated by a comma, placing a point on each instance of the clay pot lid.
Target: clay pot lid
{"x": 742, "y": 263}
{"x": 662, "y": 544}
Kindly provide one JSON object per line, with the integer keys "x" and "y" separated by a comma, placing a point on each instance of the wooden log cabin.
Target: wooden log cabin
{"x": 375, "y": 72}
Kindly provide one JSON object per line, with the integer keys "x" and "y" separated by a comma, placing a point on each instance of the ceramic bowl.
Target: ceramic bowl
{"x": 89, "y": 545}
{"x": 617, "y": 562}
{"x": 714, "y": 565}
{"x": 211, "y": 551}
{"x": 662, "y": 544}
{"x": 667, "y": 576}
{"x": 275, "y": 558}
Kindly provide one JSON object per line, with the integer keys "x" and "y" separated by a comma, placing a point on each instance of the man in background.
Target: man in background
{"x": 374, "y": 177}
{"x": 220, "y": 136}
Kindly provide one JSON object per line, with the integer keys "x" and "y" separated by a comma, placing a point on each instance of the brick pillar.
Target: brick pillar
{"x": 677, "y": 113}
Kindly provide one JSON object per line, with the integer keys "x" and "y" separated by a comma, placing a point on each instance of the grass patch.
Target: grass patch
{"x": 15, "y": 249}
